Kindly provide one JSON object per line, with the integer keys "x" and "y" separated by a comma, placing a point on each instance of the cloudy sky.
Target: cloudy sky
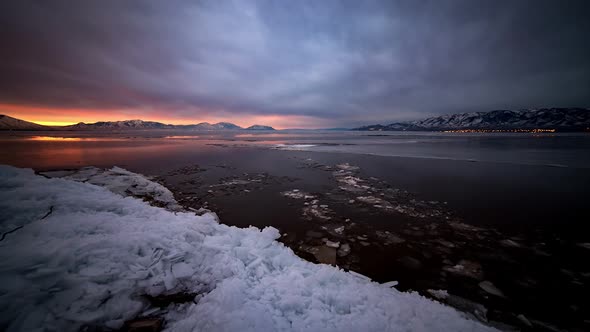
{"x": 289, "y": 63}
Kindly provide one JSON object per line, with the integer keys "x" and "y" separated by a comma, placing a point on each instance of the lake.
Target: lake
{"x": 410, "y": 206}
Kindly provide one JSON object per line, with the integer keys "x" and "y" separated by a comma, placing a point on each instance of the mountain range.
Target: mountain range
{"x": 10, "y": 123}
{"x": 558, "y": 119}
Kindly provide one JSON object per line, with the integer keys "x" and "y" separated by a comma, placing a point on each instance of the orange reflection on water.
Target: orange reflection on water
{"x": 266, "y": 134}
{"x": 51, "y": 138}
{"x": 77, "y": 152}
{"x": 71, "y": 139}
{"x": 181, "y": 137}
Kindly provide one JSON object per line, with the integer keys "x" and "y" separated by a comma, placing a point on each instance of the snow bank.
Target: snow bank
{"x": 122, "y": 182}
{"x": 95, "y": 254}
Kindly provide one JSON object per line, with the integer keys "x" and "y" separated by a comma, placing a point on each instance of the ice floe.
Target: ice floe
{"x": 440, "y": 294}
{"x": 295, "y": 147}
{"x": 347, "y": 167}
{"x": 466, "y": 268}
{"x": 297, "y": 194}
{"x": 317, "y": 212}
{"x": 489, "y": 287}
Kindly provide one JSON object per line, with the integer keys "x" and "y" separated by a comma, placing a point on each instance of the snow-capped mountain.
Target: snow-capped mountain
{"x": 115, "y": 125}
{"x": 10, "y": 123}
{"x": 210, "y": 126}
{"x": 140, "y": 124}
{"x": 226, "y": 125}
{"x": 260, "y": 127}
{"x": 565, "y": 119}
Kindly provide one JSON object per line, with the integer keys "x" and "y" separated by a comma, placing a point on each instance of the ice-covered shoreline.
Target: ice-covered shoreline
{"x": 85, "y": 256}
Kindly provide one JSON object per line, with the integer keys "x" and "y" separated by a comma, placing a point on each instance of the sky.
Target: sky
{"x": 289, "y": 64}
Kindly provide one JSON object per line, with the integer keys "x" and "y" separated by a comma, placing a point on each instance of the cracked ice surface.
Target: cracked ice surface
{"x": 90, "y": 260}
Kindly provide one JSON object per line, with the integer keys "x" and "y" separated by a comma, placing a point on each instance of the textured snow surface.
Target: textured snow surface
{"x": 90, "y": 260}
{"x": 122, "y": 182}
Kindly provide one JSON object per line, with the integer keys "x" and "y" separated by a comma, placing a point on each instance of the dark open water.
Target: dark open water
{"x": 514, "y": 179}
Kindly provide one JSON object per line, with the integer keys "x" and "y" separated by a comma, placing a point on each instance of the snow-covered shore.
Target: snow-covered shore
{"x": 86, "y": 256}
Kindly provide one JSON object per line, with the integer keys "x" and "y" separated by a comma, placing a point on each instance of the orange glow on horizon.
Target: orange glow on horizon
{"x": 52, "y": 123}
{"x": 52, "y": 138}
{"x": 68, "y": 116}
{"x": 72, "y": 139}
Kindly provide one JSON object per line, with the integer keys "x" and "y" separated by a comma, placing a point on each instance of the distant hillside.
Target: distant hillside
{"x": 115, "y": 125}
{"x": 10, "y": 123}
{"x": 140, "y": 124}
{"x": 211, "y": 126}
{"x": 259, "y": 127}
{"x": 560, "y": 119}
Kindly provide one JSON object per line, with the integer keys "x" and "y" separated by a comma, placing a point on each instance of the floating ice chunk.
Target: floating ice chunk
{"x": 347, "y": 167}
{"x": 344, "y": 250}
{"x": 522, "y": 318}
{"x": 389, "y": 284}
{"x": 350, "y": 180}
{"x": 297, "y": 194}
{"x": 236, "y": 182}
{"x": 446, "y": 243}
{"x": 389, "y": 238}
{"x": 477, "y": 309}
{"x": 510, "y": 243}
{"x": 466, "y": 268}
{"x": 294, "y": 146}
{"x": 317, "y": 212}
{"x": 440, "y": 294}
{"x": 490, "y": 288}
{"x": 332, "y": 244}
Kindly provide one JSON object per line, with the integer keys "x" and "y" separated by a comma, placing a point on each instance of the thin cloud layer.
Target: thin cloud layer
{"x": 341, "y": 63}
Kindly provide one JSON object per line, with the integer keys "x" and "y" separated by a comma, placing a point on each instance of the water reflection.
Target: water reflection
{"x": 182, "y": 137}
{"x": 59, "y": 152}
{"x": 71, "y": 149}
{"x": 285, "y": 135}
{"x": 71, "y": 139}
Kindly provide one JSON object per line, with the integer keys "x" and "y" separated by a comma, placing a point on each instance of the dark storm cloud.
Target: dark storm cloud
{"x": 353, "y": 61}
